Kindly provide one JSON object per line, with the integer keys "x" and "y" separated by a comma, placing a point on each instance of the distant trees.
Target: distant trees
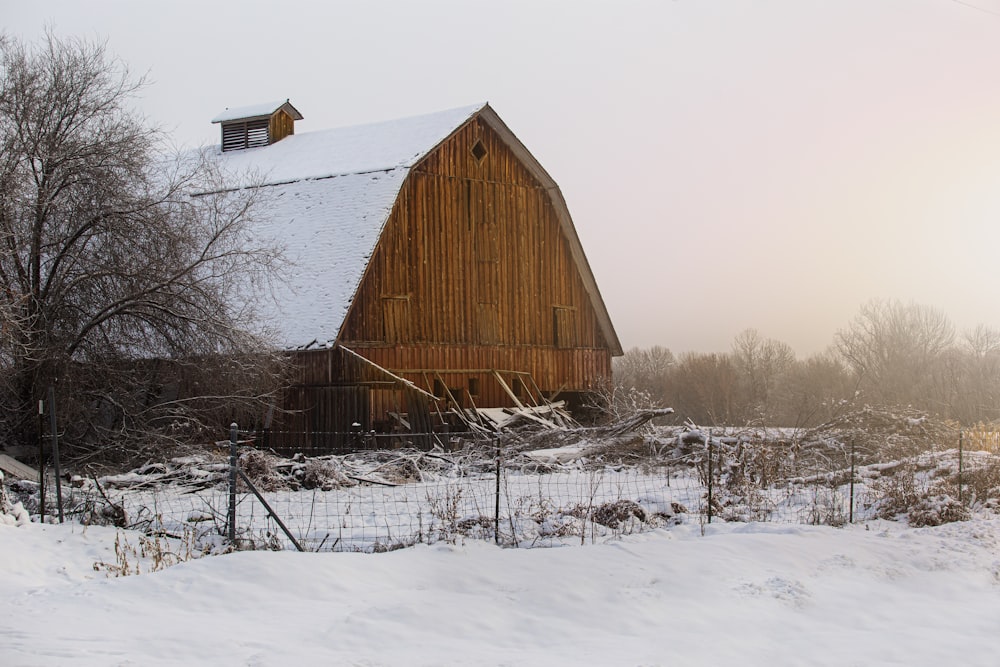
{"x": 645, "y": 369}
{"x": 763, "y": 366}
{"x": 109, "y": 266}
{"x": 817, "y": 389}
{"x": 979, "y": 394}
{"x": 703, "y": 388}
{"x": 890, "y": 354}
{"x": 895, "y": 350}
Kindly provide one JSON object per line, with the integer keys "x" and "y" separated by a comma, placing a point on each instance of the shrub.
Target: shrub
{"x": 260, "y": 468}
{"x": 617, "y": 513}
{"x": 895, "y": 494}
{"x": 936, "y": 510}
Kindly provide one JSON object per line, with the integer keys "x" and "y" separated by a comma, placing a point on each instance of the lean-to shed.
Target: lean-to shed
{"x": 435, "y": 267}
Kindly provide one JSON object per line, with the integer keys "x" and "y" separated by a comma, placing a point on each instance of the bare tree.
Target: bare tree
{"x": 816, "y": 390}
{"x": 108, "y": 262}
{"x": 895, "y": 349}
{"x": 980, "y": 389}
{"x": 762, "y": 364}
{"x": 645, "y": 369}
{"x": 703, "y": 388}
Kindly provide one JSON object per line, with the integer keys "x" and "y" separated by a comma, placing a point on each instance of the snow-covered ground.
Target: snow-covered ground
{"x": 877, "y": 593}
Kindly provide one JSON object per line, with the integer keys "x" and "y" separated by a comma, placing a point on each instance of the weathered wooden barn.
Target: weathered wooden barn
{"x": 436, "y": 271}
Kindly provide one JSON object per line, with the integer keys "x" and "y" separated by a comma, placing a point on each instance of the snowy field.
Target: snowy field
{"x": 877, "y": 593}
{"x": 633, "y": 572}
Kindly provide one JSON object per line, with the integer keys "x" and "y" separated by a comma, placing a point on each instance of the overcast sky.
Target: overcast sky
{"x": 729, "y": 164}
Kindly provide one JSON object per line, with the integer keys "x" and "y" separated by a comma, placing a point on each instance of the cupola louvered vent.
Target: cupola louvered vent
{"x": 260, "y": 125}
{"x": 245, "y": 134}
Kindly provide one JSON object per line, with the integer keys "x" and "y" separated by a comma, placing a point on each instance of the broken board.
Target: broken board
{"x": 15, "y": 468}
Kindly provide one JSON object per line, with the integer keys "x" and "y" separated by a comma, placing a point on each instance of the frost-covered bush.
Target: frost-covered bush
{"x": 879, "y": 434}
{"x": 827, "y": 507}
{"x": 11, "y": 513}
{"x": 616, "y": 513}
{"x": 907, "y": 491}
{"x": 323, "y": 475}
{"x": 936, "y": 510}
{"x": 260, "y": 468}
{"x": 895, "y": 494}
{"x": 982, "y": 484}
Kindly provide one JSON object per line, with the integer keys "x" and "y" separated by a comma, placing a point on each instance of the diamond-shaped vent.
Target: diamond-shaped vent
{"x": 479, "y": 151}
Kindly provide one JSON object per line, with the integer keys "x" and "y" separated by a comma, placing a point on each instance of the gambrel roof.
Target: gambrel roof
{"x": 331, "y": 194}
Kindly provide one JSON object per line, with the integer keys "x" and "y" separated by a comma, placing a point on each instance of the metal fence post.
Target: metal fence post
{"x": 55, "y": 451}
{"x": 233, "y": 433}
{"x": 960, "y": 443}
{"x": 41, "y": 460}
{"x": 851, "y": 509}
{"x": 710, "y": 474}
{"x": 496, "y": 513}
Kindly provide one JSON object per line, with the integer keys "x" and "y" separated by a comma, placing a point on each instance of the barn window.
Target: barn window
{"x": 479, "y": 151}
{"x": 473, "y": 386}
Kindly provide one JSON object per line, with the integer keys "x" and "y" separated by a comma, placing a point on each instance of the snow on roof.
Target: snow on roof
{"x": 331, "y": 194}
{"x": 328, "y": 229}
{"x": 347, "y": 150}
{"x": 255, "y": 111}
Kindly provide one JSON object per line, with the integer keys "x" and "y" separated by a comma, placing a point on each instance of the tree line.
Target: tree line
{"x": 121, "y": 288}
{"x": 890, "y": 354}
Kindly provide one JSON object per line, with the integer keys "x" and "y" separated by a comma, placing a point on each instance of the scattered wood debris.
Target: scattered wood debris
{"x": 16, "y": 469}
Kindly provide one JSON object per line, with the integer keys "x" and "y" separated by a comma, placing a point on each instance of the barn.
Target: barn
{"x": 436, "y": 279}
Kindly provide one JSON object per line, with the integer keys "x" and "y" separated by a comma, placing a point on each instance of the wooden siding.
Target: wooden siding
{"x": 281, "y": 125}
{"x": 552, "y": 369}
{"x": 472, "y": 278}
{"x": 476, "y": 250}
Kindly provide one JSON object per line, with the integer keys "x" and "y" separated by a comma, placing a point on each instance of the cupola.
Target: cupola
{"x": 258, "y": 125}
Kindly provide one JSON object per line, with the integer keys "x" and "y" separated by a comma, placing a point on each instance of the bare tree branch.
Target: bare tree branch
{"x": 110, "y": 265}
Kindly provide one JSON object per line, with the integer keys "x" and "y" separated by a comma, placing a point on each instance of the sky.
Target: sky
{"x": 729, "y": 164}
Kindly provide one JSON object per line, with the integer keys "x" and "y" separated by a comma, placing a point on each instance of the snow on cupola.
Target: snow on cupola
{"x": 257, "y": 125}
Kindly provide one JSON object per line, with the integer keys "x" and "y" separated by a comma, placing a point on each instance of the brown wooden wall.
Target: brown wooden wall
{"x": 473, "y": 271}
{"x": 551, "y": 370}
{"x": 280, "y": 125}
{"x": 473, "y": 274}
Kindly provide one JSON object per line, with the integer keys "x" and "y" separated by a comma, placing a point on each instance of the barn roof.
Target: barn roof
{"x": 331, "y": 194}
{"x": 257, "y": 111}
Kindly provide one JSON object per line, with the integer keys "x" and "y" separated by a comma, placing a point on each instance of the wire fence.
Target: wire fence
{"x": 512, "y": 508}
{"x": 378, "y": 500}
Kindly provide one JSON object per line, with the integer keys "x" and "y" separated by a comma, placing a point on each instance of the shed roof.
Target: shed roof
{"x": 257, "y": 111}
{"x": 333, "y": 192}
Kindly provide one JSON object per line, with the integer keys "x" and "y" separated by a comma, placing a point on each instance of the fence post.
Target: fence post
{"x": 710, "y": 474}
{"x": 960, "y": 443}
{"x": 233, "y": 433}
{"x": 496, "y": 513}
{"x": 851, "y": 510}
{"x": 55, "y": 451}
{"x": 41, "y": 460}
